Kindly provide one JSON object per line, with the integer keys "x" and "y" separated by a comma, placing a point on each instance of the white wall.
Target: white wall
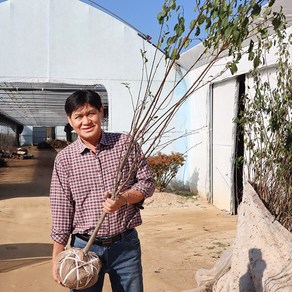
{"x": 196, "y": 169}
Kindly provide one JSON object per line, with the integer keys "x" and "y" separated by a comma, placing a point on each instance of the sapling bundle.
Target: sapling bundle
{"x": 154, "y": 110}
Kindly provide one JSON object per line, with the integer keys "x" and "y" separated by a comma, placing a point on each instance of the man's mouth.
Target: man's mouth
{"x": 88, "y": 129}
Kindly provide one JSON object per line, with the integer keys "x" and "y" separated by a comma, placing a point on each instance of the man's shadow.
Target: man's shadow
{"x": 251, "y": 281}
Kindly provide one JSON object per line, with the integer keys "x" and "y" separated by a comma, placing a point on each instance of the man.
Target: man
{"x": 84, "y": 175}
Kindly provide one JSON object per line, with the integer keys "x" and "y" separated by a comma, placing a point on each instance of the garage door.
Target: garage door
{"x": 223, "y": 137}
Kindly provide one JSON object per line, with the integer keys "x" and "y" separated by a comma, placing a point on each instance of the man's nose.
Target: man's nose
{"x": 86, "y": 120}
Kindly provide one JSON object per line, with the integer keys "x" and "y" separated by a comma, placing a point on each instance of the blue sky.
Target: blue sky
{"x": 141, "y": 14}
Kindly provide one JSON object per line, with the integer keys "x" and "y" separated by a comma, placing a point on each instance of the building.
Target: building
{"x": 54, "y": 47}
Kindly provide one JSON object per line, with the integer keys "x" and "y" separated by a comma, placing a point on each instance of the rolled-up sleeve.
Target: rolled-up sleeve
{"x": 62, "y": 205}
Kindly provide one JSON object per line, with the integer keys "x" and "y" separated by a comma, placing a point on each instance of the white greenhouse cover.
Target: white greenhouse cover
{"x": 66, "y": 43}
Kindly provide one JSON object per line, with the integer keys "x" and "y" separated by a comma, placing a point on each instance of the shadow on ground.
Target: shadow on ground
{"x": 17, "y": 255}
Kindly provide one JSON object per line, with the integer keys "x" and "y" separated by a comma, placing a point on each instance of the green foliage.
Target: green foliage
{"x": 268, "y": 126}
{"x": 220, "y": 25}
{"x": 165, "y": 168}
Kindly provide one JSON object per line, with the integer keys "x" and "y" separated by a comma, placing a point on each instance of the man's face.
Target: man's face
{"x": 86, "y": 121}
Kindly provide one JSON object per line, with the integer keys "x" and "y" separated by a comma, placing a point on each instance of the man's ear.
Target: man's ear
{"x": 69, "y": 121}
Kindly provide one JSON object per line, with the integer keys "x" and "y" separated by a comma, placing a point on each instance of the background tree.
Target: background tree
{"x": 268, "y": 126}
{"x": 165, "y": 168}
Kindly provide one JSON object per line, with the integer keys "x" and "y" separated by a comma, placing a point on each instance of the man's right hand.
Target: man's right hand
{"x": 57, "y": 248}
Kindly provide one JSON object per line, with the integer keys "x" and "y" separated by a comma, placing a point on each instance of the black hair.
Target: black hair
{"x": 81, "y": 97}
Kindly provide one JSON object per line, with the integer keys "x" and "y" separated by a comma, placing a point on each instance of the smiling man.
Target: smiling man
{"x": 84, "y": 173}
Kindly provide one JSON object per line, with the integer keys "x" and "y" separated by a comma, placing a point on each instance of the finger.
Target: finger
{"x": 107, "y": 210}
{"x": 106, "y": 207}
{"x": 57, "y": 281}
{"x": 107, "y": 194}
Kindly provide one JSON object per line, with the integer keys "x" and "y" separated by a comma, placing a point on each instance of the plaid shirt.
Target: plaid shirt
{"x": 81, "y": 177}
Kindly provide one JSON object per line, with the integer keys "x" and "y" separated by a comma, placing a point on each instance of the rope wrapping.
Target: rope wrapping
{"x": 77, "y": 269}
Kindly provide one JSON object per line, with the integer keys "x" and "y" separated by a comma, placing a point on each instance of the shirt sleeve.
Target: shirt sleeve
{"x": 144, "y": 178}
{"x": 62, "y": 205}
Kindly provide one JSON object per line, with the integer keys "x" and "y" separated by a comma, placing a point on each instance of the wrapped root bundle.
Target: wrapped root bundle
{"x": 77, "y": 269}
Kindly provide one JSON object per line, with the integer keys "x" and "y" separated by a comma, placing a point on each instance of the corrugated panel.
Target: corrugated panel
{"x": 40, "y": 104}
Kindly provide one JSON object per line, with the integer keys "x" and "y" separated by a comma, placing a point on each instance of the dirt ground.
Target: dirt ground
{"x": 179, "y": 235}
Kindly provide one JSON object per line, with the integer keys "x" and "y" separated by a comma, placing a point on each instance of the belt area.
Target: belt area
{"x": 104, "y": 241}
